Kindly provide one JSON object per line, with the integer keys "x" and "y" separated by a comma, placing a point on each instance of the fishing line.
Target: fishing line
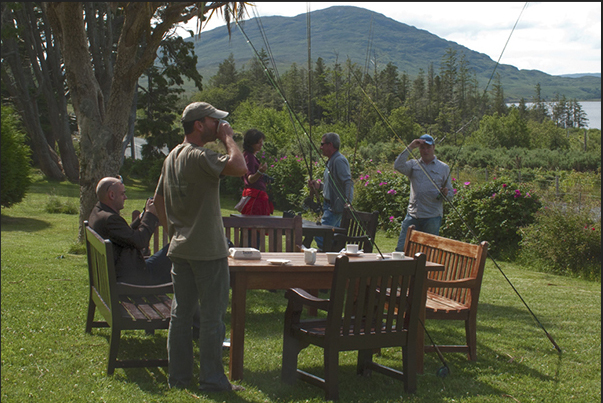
{"x": 450, "y": 202}
{"x": 277, "y": 78}
{"x": 293, "y": 114}
{"x": 280, "y": 92}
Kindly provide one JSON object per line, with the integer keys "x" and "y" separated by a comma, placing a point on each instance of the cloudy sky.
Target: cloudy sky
{"x": 557, "y": 38}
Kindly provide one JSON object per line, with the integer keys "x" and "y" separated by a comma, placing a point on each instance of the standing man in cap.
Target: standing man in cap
{"x": 429, "y": 180}
{"x": 188, "y": 203}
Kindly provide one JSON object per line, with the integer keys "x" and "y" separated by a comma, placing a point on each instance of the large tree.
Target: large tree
{"x": 33, "y": 77}
{"x": 102, "y": 85}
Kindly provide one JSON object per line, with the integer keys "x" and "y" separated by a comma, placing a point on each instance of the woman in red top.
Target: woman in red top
{"x": 255, "y": 178}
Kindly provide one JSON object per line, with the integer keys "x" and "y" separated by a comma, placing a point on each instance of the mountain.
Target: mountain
{"x": 342, "y": 32}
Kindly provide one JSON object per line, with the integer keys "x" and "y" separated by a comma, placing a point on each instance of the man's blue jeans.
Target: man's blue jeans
{"x": 206, "y": 283}
{"x": 430, "y": 225}
{"x": 159, "y": 266}
{"x": 328, "y": 218}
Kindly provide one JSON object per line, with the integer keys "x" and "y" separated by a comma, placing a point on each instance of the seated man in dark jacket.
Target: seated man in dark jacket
{"x": 129, "y": 241}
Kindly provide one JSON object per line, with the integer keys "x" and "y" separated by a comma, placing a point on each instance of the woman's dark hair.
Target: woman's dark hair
{"x": 251, "y": 138}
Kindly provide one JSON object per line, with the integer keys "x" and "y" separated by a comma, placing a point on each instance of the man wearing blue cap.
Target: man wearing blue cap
{"x": 429, "y": 185}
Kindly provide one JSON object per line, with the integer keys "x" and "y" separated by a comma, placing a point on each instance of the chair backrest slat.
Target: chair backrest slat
{"x": 101, "y": 267}
{"x": 461, "y": 261}
{"x": 362, "y": 306}
{"x": 360, "y": 224}
{"x": 254, "y": 231}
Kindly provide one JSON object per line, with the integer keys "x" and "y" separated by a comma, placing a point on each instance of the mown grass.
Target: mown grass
{"x": 47, "y": 357}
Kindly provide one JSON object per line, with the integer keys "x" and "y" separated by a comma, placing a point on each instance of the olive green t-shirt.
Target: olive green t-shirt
{"x": 190, "y": 185}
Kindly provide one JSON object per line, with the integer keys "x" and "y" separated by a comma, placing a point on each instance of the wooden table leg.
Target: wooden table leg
{"x": 421, "y": 331}
{"x": 237, "y": 325}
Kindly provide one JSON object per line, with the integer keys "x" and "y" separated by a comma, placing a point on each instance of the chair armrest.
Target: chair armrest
{"x": 302, "y": 297}
{"x": 462, "y": 283}
{"x": 133, "y": 289}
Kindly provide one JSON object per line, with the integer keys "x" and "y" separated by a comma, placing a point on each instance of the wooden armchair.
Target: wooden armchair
{"x": 361, "y": 226}
{"x": 359, "y": 317}
{"x": 123, "y": 306}
{"x": 250, "y": 230}
{"x": 452, "y": 294}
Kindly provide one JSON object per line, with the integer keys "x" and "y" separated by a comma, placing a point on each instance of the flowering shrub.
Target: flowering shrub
{"x": 495, "y": 211}
{"x": 563, "y": 242}
{"x": 384, "y": 191}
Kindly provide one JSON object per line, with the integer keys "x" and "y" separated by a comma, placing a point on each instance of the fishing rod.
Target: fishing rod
{"x": 309, "y": 204}
{"x": 294, "y": 115}
{"x": 487, "y": 85}
{"x": 452, "y": 205}
{"x": 313, "y": 191}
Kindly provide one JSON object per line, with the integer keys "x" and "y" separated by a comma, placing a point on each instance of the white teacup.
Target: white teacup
{"x": 310, "y": 256}
{"x": 398, "y": 255}
{"x": 352, "y": 248}
{"x": 332, "y": 256}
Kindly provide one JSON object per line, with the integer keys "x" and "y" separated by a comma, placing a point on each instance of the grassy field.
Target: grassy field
{"x": 47, "y": 357}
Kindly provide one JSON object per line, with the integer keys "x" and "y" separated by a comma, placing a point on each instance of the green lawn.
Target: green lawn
{"x": 47, "y": 357}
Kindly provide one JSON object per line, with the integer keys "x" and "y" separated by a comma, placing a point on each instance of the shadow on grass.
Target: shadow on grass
{"x": 23, "y": 224}
{"x": 136, "y": 345}
{"x": 265, "y": 316}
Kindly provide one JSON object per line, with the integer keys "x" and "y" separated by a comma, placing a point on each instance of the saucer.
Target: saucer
{"x": 353, "y": 254}
{"x": 278, "y": 262}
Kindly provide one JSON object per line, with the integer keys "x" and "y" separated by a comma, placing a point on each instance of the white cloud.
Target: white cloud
{"x": 557, "y": 38}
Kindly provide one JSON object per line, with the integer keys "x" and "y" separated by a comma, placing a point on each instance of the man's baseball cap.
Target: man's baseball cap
{"x": 199, "y": 110}
{"x": 428, "y": 139}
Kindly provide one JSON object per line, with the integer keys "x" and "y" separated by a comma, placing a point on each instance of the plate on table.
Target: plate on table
{"x": 279, "y": 262}
{"x": 353, "y": 254}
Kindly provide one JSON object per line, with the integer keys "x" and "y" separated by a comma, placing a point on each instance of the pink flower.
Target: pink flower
{"x": 391, "y": 218}
{"x": 378, "y": 171}
{"x": 454, "y": 190}
{"x": 493, "y": 195}
{"x": 391, "y": 191}
{"x": 453, "y": 179}
{"x": 366, "y": 183}
{"x": 383, "y": 183}
{"x": 504, "y": 185}
{"x": 467, "y": 183}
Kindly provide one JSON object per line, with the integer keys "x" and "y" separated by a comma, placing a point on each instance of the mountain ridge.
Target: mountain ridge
{"x": 340, "y": 32}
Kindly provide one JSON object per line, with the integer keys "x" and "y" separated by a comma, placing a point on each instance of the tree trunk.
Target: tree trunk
{"x": 53, "y": 86}
{"x": 20, "y": 85}
{"x": 97, "y": 140}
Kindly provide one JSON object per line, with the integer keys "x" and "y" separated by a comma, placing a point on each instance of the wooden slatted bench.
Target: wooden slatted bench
{"x": 123, "y": 306}
{"x": 452, "y": 294}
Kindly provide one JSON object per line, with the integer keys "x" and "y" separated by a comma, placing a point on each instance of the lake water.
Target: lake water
{"x": 592, "y": 110}
{"x": 593, "y": 113}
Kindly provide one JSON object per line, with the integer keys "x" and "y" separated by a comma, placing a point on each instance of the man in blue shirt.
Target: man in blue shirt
{"x": 429, "y": 180}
